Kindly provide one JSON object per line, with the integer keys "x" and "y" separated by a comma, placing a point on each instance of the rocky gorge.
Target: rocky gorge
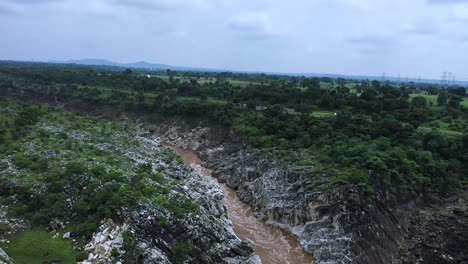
{"x": 143, "y": 238}
{"x": 335, "y": 225}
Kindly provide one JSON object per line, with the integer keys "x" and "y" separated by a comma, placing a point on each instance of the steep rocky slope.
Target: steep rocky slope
{"x": 336, "y": 225}
{"x": 68, "y": 173}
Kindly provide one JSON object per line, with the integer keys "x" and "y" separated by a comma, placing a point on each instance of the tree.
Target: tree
{"x": 460, "y": 91}
{"x": 455, "y": 101}
{"x": 442, "y": 99}
{"x": 465, "y": 141}
{"x": 313, "y": 93}
{"x": 432, "y": 90}
{"x": 343, "y": 118}
{"x": 141, "y": 99}
{"x": 311, "y": 83}
{"x": 375, "y": 84}
{"x": 341, "y": 81}
{"x": 368, "y": 95}
{"x": 419, "y": 102}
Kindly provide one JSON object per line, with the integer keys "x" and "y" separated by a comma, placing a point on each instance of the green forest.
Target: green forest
{"x": 408, "y": 139}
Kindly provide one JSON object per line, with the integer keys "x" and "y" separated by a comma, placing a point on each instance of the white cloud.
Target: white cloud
{"x": 253, "y": 25}
{"x": 461, "y": 13}
{"x": 338, "y": 36}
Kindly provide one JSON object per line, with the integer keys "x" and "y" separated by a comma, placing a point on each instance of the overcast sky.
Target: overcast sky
{"x": 408, "y": 37}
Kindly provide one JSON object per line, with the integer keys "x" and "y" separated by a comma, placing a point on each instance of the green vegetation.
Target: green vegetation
{"x": 323, "y": 113}
{"x": 78, "y": 169}
{"x": 38, "y": 247}
{"x": 435, "y": 101}
{"x": 408, "y": 139}
{"x": 431, "y": 99}
{"x": 464, "y": 103}
{"x": 181, "y": 251}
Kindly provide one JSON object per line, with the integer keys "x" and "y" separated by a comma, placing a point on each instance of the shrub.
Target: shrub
{"x": 87, "y": 228}
{"x": 74, "y": 167}
{"x": 115, "y": 253}
{"x": 81, "y": 256}
{"x": 181, "y": 251}
{"x": 21, "y": 161}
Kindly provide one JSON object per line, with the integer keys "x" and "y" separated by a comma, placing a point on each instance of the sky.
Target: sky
{"x": 410, "y": 38}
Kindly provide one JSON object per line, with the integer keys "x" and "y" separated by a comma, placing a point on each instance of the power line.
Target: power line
{"x": 443, "y": 79}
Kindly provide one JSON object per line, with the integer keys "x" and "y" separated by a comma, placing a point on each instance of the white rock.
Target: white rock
{"x": 109, "y": 243}
{"x": 143, "y": 245}
{"x": 89, "y": 247}
{"x": 100, "y": 238}
{"x": 102, "y": 249}
{"x": 66, "y": 235}
{"x": 118, "y": 240}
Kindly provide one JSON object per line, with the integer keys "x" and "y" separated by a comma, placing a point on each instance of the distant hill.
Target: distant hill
{"x": 94, "y": 62}
{"x": 155, "y": 66}
{"x": 136, "y": 65}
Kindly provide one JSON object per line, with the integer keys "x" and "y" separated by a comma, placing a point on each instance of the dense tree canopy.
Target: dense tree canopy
{"x": 386, "y": 135}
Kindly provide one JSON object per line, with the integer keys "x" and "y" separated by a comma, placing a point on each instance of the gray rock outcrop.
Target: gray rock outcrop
{"x": 4, "y": 258}
{"x": 338, "y": 225}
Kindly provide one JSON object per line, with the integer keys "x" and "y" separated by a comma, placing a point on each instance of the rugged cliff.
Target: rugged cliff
{"x": 335, "y": 225}
{"x": 152, "y": 235}
{"x": 109, "y": 190}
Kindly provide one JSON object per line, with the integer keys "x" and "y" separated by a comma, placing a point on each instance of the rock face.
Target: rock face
{"x": 152, "y": 234}
{"x": 106, "y": 246}
{"x": 335, "y": 226}
{"x": 4, "y": 258}
{"x": 212, "y": 239}
{"x": 438, "y": 235}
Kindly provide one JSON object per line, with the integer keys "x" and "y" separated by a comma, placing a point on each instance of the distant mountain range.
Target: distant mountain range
{"x": 154, "y": 66}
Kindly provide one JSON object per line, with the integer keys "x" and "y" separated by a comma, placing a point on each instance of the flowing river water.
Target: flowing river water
{"x": 273, "y": 245}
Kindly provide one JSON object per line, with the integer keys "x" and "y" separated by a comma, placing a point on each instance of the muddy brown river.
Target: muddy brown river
{"x": 273, "y": 245}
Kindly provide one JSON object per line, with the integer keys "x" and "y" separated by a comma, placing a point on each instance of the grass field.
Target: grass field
{"x": 443, "y": 131}
{"x": 465, "y": 102}
{"x": 38, "y": 247}
{"x": 451, "y": 126}
{"x": 323, "y": 114}
{"x": 202, "y": 81}
{"x": 433, "y": 99}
